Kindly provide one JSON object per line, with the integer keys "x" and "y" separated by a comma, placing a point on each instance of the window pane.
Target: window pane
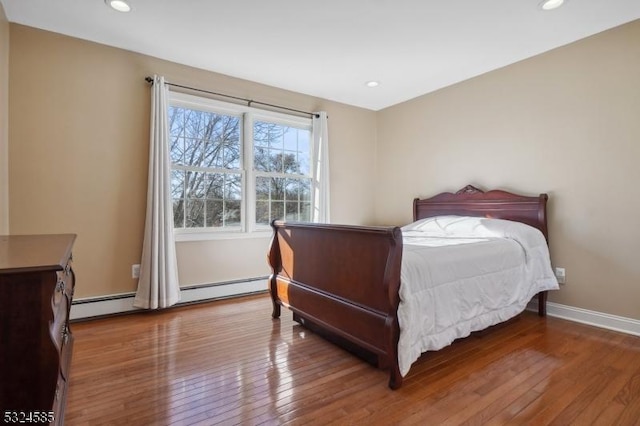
{"x": 274, "y": 136}
{"x": 279, "y": 198}
{"x": 232, "y": 213}
{"x": 233, "y": 186}
{"x": 304, "y": 140}
{"x": 176, "y": 150}
{"x": 290, "y": 139}
{"x": 194, "y": 123}
{"x": 292, "y": 190}
{"x": 305, "y": 189}
{"x": 283, "y": 150}
{"x": 177, "y": 184}
{"x": 192, "y": 152}
{"x": 205, "y": 140}
{"x": 177, "y": 197}
{"x": 275, "y": 161}
{"x": 210, "y": 155}
{"x": 230, "y": 138}
{"x": 305, "y": 212}
{"x": 215, "y": 210}
{"x": 291, "y": 210}
{"x": 231, "y": 156}
{"x": 195, "y": 185}
{"x": 277, "y": 188}
{"x": 277, "y": 210}
{"x": 215, "y": 185}
{"x": 210, "y": 126}
{"x": 288, "y": 149}
{"x": 290, "y": 163}
{"x": 176, "y": 121}
{"x": 224, "y": 197}
{"x": 178, "y": 213}
{"x": 211, "y": 199}
{"x": 261, "y": 159}
{"x": 266, "y": 134}
{"x": 304, "y": 163}
{"x": 262, "y": 188}
{"x": 262, "y": 212}
{"x": 194, "y": 214}
{"x": 227, "y": 137}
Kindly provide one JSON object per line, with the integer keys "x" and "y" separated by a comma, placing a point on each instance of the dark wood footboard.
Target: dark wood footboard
{"x": 343, "y": 279}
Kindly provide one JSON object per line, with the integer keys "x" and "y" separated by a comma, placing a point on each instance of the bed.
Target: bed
{"x": 360, "y": 287}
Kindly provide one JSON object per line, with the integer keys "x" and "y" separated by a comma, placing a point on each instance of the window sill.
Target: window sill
{"x": 213, "y": 236}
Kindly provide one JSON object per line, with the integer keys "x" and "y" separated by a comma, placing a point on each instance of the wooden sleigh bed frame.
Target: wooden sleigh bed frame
{"x": 343, "y": 281}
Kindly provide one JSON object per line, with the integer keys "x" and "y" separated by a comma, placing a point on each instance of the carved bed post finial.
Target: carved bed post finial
{"x": 470, "y": 189}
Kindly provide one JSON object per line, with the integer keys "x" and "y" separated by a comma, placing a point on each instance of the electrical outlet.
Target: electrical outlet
{"x": 561, "y": 275}
{"x": 135, "y": 271}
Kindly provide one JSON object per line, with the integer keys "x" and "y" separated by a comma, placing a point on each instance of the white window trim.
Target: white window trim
{"x": 248, "y": 228}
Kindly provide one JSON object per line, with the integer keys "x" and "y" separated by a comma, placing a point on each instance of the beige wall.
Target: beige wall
{"x": 79, "y": 136}
{"x": 565, "y": 123}
{"x": 4, "y": 123}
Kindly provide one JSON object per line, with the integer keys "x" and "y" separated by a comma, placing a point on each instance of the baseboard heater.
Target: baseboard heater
{"x": 93, "y": 307}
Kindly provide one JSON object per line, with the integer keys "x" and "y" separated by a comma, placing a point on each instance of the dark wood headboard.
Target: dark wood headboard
{"x": 497, "y": 204}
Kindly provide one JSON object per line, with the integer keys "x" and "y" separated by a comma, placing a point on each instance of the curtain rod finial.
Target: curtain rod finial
{"x": 149, "y": 79}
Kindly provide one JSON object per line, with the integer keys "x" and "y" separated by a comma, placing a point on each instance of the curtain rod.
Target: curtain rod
{"x": 248, "y": 101}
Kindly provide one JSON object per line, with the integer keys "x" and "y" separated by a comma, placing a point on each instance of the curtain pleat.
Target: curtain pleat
{"x": 158, "y": 285}
{"x": 321, "y": 168}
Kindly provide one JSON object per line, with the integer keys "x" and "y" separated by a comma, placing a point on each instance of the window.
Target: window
{"x": 206, "y": 177}
{"x": 282, "y": 171}
{"x": 235, "y": 168}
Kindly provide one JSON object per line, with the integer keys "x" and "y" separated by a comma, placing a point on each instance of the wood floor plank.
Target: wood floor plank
{"x": 580, "y": 370}
{"x": 228, "y": 362}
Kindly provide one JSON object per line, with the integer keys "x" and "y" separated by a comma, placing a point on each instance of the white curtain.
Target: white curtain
{"x": 158, "y": 285}
{"x": 321, "y": 168}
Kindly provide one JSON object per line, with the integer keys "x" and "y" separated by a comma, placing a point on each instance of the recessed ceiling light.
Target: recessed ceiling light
{"x": 372, "y": 83}
{"x": 551, "y": 4}
{"x": 119, "y": 5}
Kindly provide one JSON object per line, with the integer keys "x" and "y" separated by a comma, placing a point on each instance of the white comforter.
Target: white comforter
{"x": 463, "y": 274}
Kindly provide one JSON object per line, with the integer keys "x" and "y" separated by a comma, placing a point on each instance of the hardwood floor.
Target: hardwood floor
{"x": 228, "y": 362}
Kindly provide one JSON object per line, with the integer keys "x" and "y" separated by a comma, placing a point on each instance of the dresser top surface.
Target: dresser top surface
{"x": 22, "y": 253}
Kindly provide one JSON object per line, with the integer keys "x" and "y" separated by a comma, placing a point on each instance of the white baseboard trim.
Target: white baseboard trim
{"x": 123, "y": 302}
{"x": 585, "y": 316}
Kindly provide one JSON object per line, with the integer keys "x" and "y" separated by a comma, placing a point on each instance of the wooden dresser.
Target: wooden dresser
{"x": 36, "y": 290}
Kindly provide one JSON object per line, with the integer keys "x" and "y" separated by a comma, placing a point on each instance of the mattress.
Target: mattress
{"x": 464, "y": 274}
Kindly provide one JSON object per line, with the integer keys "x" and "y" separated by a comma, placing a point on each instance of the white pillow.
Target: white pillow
{"x": 445, "y": 225}
{"x": 474, "y": 227}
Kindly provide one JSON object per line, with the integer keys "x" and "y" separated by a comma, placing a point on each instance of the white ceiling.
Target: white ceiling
{"x": 330, "y": 48}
